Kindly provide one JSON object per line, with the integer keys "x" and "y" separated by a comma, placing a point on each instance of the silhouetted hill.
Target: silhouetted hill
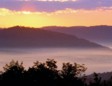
{"x": 98, "y": 34}
{"x": 30, "y": 37}
{"x": 104, "y": 76}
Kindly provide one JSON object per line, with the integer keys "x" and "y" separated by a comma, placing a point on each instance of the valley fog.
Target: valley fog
{"x": 94, "y": 60}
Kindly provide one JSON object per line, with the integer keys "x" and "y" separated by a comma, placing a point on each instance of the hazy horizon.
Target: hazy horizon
{"x": 95, "y": 61}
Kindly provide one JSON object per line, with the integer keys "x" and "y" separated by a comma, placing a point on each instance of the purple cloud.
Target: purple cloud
{"x": 50, "y": 6}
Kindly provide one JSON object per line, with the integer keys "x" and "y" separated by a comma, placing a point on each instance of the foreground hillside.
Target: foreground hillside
{"x": 29, "y": 37}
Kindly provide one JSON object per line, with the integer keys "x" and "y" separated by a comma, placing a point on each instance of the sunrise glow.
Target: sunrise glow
{"x": 40, "y": 13}
{"x": 67, "y": 17}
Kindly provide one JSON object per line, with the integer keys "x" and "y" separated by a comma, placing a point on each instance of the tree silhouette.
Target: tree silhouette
{"x": 13, "y": 73}
{"x": 70, "y": 74}
{"x": 97, "y": 80}
{"x": 42, "y": 74}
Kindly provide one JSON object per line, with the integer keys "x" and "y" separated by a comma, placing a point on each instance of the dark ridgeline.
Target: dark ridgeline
{"x": 24, "y": 37}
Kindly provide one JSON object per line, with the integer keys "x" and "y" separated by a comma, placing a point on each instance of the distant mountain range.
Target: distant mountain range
{"x": 23, "y": 37}
{"x": 98, "y": 34}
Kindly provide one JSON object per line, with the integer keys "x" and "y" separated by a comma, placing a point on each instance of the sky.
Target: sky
{"x": 40, "y": 13}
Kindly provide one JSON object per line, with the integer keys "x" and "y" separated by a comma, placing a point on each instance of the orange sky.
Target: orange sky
{"x": 67, "y": 17}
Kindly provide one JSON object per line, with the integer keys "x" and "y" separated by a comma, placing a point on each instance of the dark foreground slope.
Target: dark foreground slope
{"x": 20, "y": 37}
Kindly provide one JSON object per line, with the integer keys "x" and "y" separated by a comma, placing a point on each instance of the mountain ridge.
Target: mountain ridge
{"x": 30, "y": 37}
{"x": 99, "y": 34}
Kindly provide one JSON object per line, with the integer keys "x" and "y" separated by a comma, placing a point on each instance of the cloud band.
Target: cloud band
{"x": 54, "y": 5}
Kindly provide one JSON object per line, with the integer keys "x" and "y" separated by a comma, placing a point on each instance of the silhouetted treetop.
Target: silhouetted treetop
{"x": 41, "y": 74}
{"x": 47, "y": 74}
{"x": 13, "y": 66}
